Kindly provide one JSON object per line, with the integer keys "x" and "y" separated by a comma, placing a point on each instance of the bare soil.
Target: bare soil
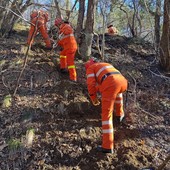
{"x": 66, "y": 127}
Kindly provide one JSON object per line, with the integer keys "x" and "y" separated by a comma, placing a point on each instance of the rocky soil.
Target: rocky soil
{"x": 51, "y": 124}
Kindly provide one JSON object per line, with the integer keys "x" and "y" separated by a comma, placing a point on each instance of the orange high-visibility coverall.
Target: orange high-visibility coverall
{"x": 112, "y": 30}
{"x": 106, "y": 79}
{"x": 69, "y": 45}
{"x": 39, "y": 19}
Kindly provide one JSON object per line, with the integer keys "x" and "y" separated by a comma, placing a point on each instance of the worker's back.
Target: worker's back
{"x": 39, "y": 19}
{"x": 67, "y": 37}
{"x": 39, "y": 15}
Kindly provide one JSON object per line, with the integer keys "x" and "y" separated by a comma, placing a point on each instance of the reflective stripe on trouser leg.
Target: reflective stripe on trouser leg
{"x": 72, "y": 72}
{"x": 107, "y": 124}
{"x": 71, "y": 65}
{"x": 63, "y": 61}
{"x": 119, "y": 105}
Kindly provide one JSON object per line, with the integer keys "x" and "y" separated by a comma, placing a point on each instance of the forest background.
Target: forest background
{"x": 148, "y": 19}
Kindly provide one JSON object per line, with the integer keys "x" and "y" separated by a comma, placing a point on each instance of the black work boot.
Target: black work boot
{"x": 100, "y": 149}
{"x": 63, "y": 70}
{"x": 117, "y": 120}
{"x": 73, "y": 81}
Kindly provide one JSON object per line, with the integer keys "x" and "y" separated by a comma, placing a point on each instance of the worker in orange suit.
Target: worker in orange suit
{"x": 112, "y": 30}
{"x": 69, "y": 47}
{"x": 39, "y": 19}
{"x": 104, "y": 78}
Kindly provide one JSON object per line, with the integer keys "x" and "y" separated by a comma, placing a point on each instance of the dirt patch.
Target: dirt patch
{"x": 67, "y": 128}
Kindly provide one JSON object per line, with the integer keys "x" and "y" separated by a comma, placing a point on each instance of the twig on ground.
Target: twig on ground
{"x": 134, "y": 90}
{"x": 160, "y": 75}
{"x": 152, "y": 116}
{"x": 164, "y": 163}
{"x": 25, "y": 62}
{"x": 4, "y": 82}
{"x": 31, "y": 83}
{"x": 26, "y": 56}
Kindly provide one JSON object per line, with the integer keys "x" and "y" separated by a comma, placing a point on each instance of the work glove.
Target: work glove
{"x": 96, "y": 102}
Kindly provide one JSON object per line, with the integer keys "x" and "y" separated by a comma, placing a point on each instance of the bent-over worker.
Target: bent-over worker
{"x": 106, "y": 79}
{"x": 39, "y": 19}
{"x": 69, "y": 47}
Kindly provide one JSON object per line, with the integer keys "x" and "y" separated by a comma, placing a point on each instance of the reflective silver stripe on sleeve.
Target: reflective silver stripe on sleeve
{"x": 103, "y": 68}
{"x": 109, "y": 122}
{"x": 90, "y": 75}
{"x": 65, "y": 36}
{"x": 119, "y": 95}
{"x": 119, "y": 102}
{"x": 107, "y": 131}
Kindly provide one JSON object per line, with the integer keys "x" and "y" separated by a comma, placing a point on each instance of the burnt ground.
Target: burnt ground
{"x": 51, "y": 124}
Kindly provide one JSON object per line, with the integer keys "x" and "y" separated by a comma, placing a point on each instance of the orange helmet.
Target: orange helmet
{"x": 58, "y": 21}
{"x": 89, "y": 63}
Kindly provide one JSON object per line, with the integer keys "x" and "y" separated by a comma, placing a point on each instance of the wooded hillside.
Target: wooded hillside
{"x": 48, "y": 122}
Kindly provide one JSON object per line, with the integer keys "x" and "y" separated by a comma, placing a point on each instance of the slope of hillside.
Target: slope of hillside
{"x": 63, "y": 124}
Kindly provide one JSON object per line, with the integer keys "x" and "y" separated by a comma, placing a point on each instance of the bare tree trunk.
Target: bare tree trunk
{"x": 136, "y": 22}
{"x": 67, "y": 10}
{"x": 5, "y": 4}
{"x": 67, "y": 4}
{"x": 58, "y": 9}
{"x": 85, "y": 48}
{"x": 8, "y": 20}
{"x": 139, "y": 21}
{"x": 157, "y": 23}
{"x": 165, "y": 39}
{"x": 68, "y": 13}
{"x": 133, "y": 21}
{"x": 104, "y": 15}
{"x": 129, "y": 22}
{"x": 80, "y": 19}
{"x": 103, "y": 39}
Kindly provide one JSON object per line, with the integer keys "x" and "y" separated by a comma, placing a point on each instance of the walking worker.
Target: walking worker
{"x": 112, "y": 30}
{"x": 69, "y": 47}
{"x": 39, "y": 19}
{"x": 106, "y": 79}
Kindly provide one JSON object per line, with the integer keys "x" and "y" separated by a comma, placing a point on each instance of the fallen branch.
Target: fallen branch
{"x": 159, "y": 75}
{"x": 4, "y": 82}
{"x": 147, "y": 112}
{"x": 164, "y": 163}
{"x": 26, "y": 57}
{"x": 25, "y": 62}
